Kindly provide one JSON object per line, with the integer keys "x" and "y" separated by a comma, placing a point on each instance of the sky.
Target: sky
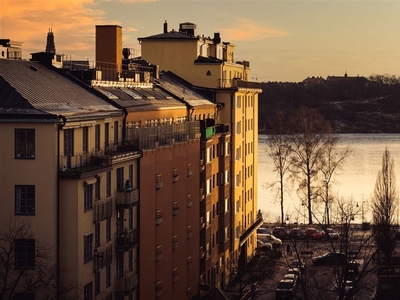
{"x": 284, "y": 40}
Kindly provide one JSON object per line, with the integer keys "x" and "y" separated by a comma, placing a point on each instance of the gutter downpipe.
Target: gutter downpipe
{"x": 63, "y": 120}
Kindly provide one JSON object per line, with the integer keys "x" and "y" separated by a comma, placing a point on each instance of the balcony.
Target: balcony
{"x": 127, "y": 240}
{"x": 175, "y": 275}
{"x": 159, "y": 253}
{"x": 189, "y": 232}
{"x": 127, "y": 199}
{"x": 257, "y": 223}
{"x": 159, "y": 217}
{"x": 202, "y": 223}
{"x": 104, "y": 296}
{"x": 102, "y": 257}
{"x": 175, "y": 175}
{"x": 159, "y": 182}
{"x": 159, "y": 288}
{"x": 127, "y": 283}
{"x": 202, "y": 252}
{"x": 189, "y": 201}
{"x": 175, "y": 242}
{"x": 83, "y": 165}
{"x": 189, "y": 170}
{"x": 175, "y": 208}
{"x": 189, "y": 263}
{"x": 103, "y": 209}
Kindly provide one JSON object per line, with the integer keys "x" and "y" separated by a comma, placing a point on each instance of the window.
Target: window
{"x": 24, "y": 296}
{"x": 97, "y": 234}
{"x": 88, "y": 196}
{"x": 88, "y": 291}
{"x": 108, "y": 229}
{"x": 24, "y": 253}
{"x": 120, "y": 265}
{"x": 68, "y": 142}
{"x": 130, "y": 261}
{"x": 108, "y": 275}
{"x": 25, "y": 199}
{"x": 120, "y": 179}
{"x": 88, "y": 247}
{"x": 97, "y": 137}
{"x": 106, "y": 133}
{"x": 115, "y": 131}
{"x": 97, "y": 283}
{"x": 24, "y": 143}
{"x": 108, "y": 183}
{"x": 85, "y": 139}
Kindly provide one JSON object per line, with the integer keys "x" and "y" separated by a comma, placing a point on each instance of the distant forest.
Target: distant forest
{"x": 350, "y": 104}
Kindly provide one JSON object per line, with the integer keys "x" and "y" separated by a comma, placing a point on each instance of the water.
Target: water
{"x": 355, "y": 181}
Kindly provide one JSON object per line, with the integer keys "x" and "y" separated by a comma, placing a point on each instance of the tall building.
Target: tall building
{"x": 210, "y": 63}
{"x": 50, "y": 45}
{"x": 64, "y": 169}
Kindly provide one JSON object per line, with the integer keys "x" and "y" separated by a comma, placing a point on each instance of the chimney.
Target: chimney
{"x": 165, "y": 27}
{"x": 217, "y": 38}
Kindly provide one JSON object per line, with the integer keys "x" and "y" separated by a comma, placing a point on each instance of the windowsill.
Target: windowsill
{"x": 88, "y": 209}
{"x": 16, "y": 157}
{"x": 25, "y": 214}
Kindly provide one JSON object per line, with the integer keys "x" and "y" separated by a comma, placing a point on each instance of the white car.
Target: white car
{"x": 264, "y": 246}
{"x": 270, "y": 239}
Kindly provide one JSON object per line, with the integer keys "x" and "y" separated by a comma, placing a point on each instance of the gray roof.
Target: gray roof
{"x": 29, "y": 88}
{"x": 170, "y": 35}
{"x": 166, "y": 92}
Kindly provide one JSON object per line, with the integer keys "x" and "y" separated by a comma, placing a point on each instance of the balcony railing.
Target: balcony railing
{"x": 159, "y": 288}
{"x": 175, "y": 208}
{"x": 102, "y": 257}
{"x": 175, "y": 275}
{"x": 175, "y": 242}
{"x": 127, "y": 240}
{"x": 189, "y": 200}
{"x": 127, "y": 199}
{"x": 127, "y": 283}
{"x": 159, "y": 253}
{"x": 73, "y": 166}
{"x": 159, "y": 217}
{"x": 103, "y": 209}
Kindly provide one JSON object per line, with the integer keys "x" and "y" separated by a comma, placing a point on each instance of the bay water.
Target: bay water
{"x": 354, "y": 181}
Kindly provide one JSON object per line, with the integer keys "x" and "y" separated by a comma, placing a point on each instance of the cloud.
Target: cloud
{"x": 247, "y": 30}
{"x": 72, "y": 22}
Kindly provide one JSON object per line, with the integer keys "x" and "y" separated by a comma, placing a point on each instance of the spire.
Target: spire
{"x": 50, "y": 46}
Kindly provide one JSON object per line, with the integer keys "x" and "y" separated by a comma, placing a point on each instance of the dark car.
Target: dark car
{"x": 329, "y": 259}
{"x": 296, "y": 263}
{"x": 285, "y": 289}
{"x": 297, "y": 233}
{"x": 279, "y": 232}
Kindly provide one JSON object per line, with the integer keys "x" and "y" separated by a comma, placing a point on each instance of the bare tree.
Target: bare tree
{"x": 279, "y": 149}
{"x": 384, "y": 206}
{"x": 309, "y": 139}
{"x": 332, "y": 160}
{"x": 26, "y": 265}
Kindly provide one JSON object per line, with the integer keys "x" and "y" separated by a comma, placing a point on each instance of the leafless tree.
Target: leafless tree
{"x": 279, "y": 149}
{"x": 332, "y": 159}
{"x": 310, "y": 138}
{"x": 384, "y": 206}
{"x": 29, "y": 272}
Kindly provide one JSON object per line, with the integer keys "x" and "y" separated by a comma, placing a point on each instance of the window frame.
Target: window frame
{"x": 25, "y": 254}
{"x": 88, "y": 247}
{"x": 88, "y": 197}
{"x": 24, "y": 143}
{"x": 29, "y": 210}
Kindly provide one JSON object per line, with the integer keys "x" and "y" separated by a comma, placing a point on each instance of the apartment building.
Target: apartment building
{"x": 64, "y": 168}
{"x": 210, "y": 64}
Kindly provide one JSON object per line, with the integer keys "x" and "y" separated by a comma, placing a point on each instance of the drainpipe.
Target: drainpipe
{"x": 63, "y": 120}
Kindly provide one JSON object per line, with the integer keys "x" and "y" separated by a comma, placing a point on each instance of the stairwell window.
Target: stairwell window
{"x": 25, "y": 200}
{"x": 25, "y": 253}
{"x": 24, "y": 143}
{"x": 88, "y": 196}
{"x": 88, "y": 247}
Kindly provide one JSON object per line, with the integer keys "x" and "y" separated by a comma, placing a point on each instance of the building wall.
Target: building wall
{"x": 163, "y": 161}
{"x": 109, "y": 50}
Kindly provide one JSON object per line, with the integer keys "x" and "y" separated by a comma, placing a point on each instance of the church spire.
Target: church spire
{"x": 50, "y": 46}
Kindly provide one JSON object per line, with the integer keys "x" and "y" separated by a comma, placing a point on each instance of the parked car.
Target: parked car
{"x": 332, "y": 233}
{"x": 265, "y": 246}
{"x": 330, "y": 258}
{"x": 280, "y": 232}
{"x": 291, "y": 276}
{"x": 296, "y": 271}
{"x": 285, "y": 289}
{"x": 263, "y": 230}
{"x": 296, "y": 263}
{"x": 297, "y": 233}
{"x": 270, "y": 238}
{"x": 314, "y": 234}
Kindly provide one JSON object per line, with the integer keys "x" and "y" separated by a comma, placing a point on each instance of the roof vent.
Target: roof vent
{"x": 33, "y": 68}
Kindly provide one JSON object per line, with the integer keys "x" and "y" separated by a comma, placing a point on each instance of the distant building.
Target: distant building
{"x": 314, "y": 80}
{"x": 346, "y": 79}
{"x": 49, "y": 56}
{"x": 10, "y": 49}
